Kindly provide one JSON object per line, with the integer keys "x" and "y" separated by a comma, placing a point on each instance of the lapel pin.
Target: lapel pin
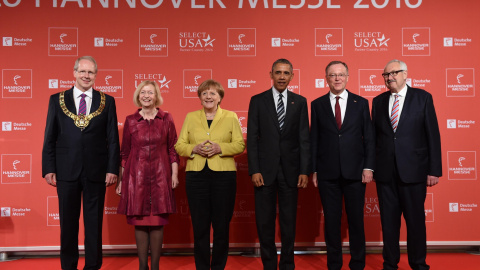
{"x": 354, "y": 100}
{"x": 293, "y": 102}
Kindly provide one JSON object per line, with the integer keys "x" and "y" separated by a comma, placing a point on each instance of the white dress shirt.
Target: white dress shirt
{"x": 88, "y": 99}
{"x": 342, "y": 101}
{"x": 401, "y": 101}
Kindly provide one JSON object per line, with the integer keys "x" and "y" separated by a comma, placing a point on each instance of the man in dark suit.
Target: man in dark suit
{"x": 408, "y": 159}
{"x": 343, "y": 156}
{"x": 278, "y": 148}
{"x": 81, "y": 157}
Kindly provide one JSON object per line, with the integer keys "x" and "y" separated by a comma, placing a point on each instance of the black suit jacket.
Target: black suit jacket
{"x": 268, "y": 148}
{"x": 345, "y": 152}
{"x": 415, "y": 146}
{"x": 67, "y": 149}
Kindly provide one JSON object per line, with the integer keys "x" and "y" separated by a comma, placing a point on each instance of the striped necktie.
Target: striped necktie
{"x": 82, "y": 107}
{"x": 281, "y": 112}
{"x": 394, "y": 115}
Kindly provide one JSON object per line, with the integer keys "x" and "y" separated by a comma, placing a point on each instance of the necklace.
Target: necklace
{"x": 148, "y": 116}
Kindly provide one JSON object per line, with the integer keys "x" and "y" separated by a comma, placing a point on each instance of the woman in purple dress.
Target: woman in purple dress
{"x": 149, "y": 172}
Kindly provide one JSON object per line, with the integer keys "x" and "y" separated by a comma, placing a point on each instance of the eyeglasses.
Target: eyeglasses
{"x": 334, "y": 76}
{"x": 392, "y": 73}
{"x": 84, "y": 72}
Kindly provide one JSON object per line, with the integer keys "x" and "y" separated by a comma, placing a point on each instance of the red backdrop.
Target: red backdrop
{"x": 181, "y": 43}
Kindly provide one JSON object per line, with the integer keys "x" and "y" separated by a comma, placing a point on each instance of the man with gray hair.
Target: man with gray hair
{"x": 81, "y": 158}
{"x": 408, "y": 159}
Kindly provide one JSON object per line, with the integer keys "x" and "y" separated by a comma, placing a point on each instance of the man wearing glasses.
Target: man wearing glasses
{"x": 342, "y": 144}
{"x": 81, "y": 158}
{"x": 408, "y": 159}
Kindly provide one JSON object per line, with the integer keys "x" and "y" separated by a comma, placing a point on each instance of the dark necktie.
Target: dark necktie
{"x": 82, "y": 107}
{"x": 338, "y": 113}
{"x": 281, "y": 112}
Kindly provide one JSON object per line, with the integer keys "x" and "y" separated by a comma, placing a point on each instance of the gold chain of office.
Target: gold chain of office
{"x": 81, "y": 120}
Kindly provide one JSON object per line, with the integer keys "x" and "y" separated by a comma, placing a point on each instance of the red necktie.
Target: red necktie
{"x": 338, "y": 113}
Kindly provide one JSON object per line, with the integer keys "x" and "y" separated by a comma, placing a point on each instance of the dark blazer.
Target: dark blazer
{"x": 415, "y": 147}
{"x": 267, "y": 147}
{"x": 67, "y": 149}
{"x": 345, "y": 152}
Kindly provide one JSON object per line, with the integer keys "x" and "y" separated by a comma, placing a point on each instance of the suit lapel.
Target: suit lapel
{"x": 327, "y": 107}
{"x": 406, "y": 108}
{"x": 95, "y": 101}
{"x": 216, "y": 119}
{"x": 291, "y": 108}
{"x": 270, "y": 105}
{"x": 352, "y": 104}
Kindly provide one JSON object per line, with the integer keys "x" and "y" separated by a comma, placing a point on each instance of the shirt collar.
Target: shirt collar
{"x": 77, "y": 92}
{"x": 343, "y": 95}
{"x": 402, "y": 92}
{"x": 276, "y": 92}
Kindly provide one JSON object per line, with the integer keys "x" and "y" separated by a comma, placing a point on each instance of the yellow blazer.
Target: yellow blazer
{"x": 224, "y": 130}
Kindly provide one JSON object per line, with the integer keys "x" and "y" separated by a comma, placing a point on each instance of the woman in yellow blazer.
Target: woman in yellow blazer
{"x": 210, "y": 138}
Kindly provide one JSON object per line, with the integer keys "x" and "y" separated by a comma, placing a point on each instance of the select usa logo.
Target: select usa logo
{"x": 17, "y": 83}
{"x": 16, "y": 168}
{"x": 241, "y": 42}
{"x": 16, "y": 42}
{"x": 416, "y": 41}
{"x": 192, "y": 78}
{"x": 153, "y": 42}
{"x": 110, "y": 82}
{"x": 462, "y": 165}
{"x": 195, "y": 42}
{"x": 371, "y": 82}
{"x": 460, "y": 82}
{"x": 62, "y": 41}
{"x": 161, "y": 79}
{"x": 371, "y": 41}
{"x": 328, "y": 41}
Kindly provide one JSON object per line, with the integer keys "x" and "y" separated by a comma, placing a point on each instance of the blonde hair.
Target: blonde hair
{"x": 136, "y": 94}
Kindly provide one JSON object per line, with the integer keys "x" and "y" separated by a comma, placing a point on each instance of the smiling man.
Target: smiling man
{"x": 408, "y": 159}
{"x": 278, "y": 161}
{"x": 343, "y": 157}
{"x": 81, "y": 158}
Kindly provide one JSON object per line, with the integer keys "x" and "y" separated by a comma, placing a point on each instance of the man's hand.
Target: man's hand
{"x": 367, "y": 176}
{"x": 110, "y": 179}
{"x": 432, "y": 180}
{"x": 51, "y": 179}
{"x": 302, "y": 181}
{"x": 257, "y": 179}
{"x": 314, "y": 180}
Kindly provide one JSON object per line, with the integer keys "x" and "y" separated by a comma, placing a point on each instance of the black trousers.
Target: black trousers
{"x": 70, "y": 197}
{"x": 397, "y": 198}
{"x": 332, "y": 195}
{"x": 265, "y": 215}
{"x": 211, "y": 199}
